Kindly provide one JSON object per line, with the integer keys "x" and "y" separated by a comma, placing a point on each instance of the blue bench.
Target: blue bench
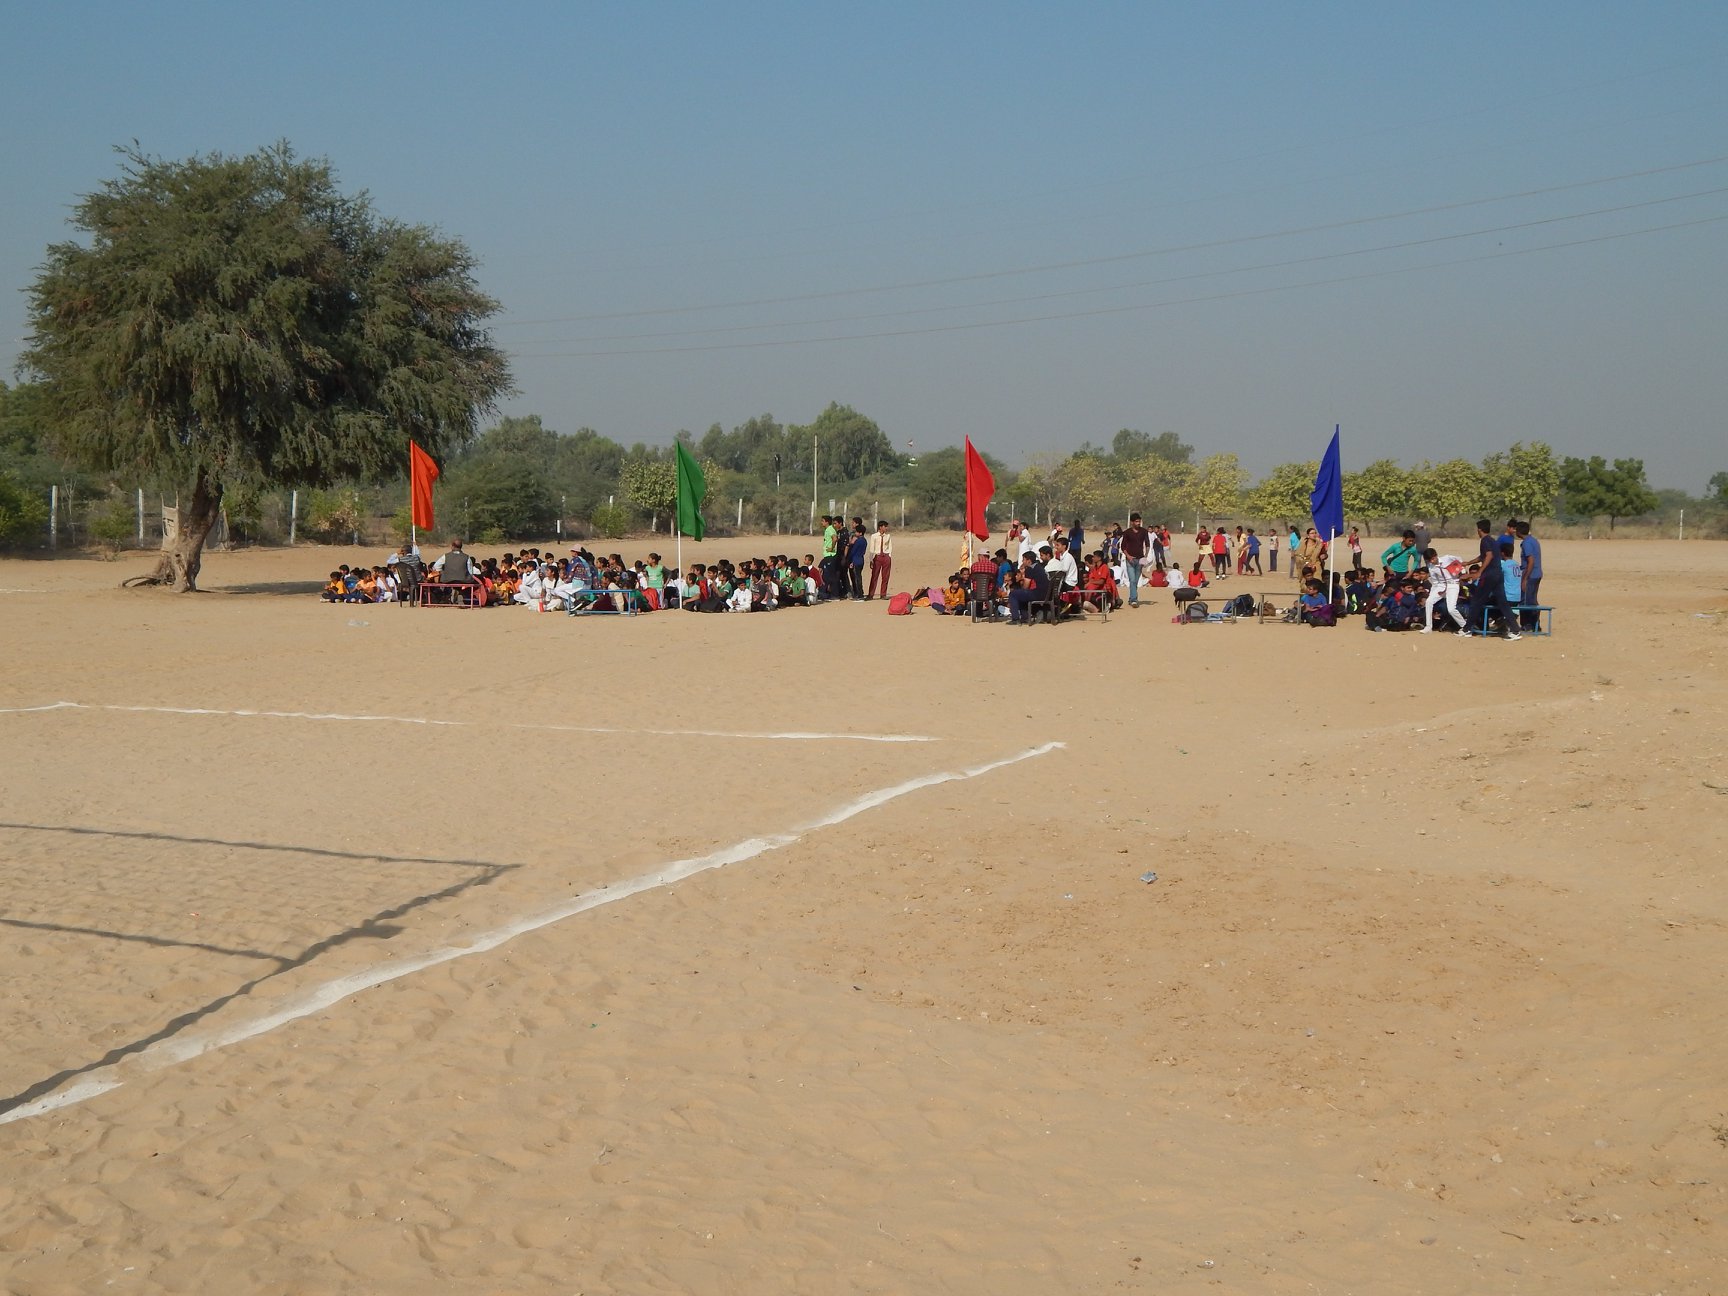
{"x": 1544, "y": 619}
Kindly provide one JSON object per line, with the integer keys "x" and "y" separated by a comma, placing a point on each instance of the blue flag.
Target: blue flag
{"x": 1327, "y": 501}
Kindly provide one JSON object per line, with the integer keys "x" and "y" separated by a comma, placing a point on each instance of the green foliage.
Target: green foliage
{"x": 244, "y": 506}
{"x": 1381, "y": 490}
{"x": 114, "y": 525}
{"x": 240, "y": 317}
{"x": 852, "y": 446}
{"x": 650, "y": 484}
{"x": 1081, "y": 484}
{"x": 23, "y": 514}
{"x": 1719, "y": 487}
{"x": 335, "y": 516}
{"x": 1157, "y": 487}
{"x": 1129, "y": 445}
{"x": 1215, "y": 490}
{"x": 1594, "y": 488}
{"x": 497, "y": 497}
{"x": 611, "y": 521}
{"x": 1284, "y": 493}
{"x": 938, "y": 483}
{"x": 1443, "y": 491}
{"x": 1521, "y": 481}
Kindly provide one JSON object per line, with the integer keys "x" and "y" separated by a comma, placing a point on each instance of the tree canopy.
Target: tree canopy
{"x": 1595, "y": 488}
{"x": 239, "y": 319}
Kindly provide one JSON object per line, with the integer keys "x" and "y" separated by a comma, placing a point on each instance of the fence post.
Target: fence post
{"x": 293, "y": 515}
{"x": 140, "y": 515}
{"x": 902, "y": 512}
{"x": 740, "y": 512}
{"x": 53, "y": 517}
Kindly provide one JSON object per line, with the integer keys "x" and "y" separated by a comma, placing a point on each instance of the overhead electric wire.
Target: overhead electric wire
{"x": 1390, "y": 128}
{"x": 1122, "y": 310}
{"x": 1079, "y": 263}
{"x": 1143, "y": 283}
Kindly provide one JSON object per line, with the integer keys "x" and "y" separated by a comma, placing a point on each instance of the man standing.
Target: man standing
{"x": 1423, "y": 539}
{"x": 1292, "y": 552}
{"x": 1136, "y": 543}
{"x": 833, "y": 572}
{"x": 1401, "y": 556}
{"x": 881, "y": 559}
{"x": 856, "y": 546}
{"x": 1530, "y": 569}
{"x": 1487, "y": 577}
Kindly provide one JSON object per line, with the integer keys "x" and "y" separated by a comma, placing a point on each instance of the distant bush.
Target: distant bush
{"x": 23, "y": 513}
{"x": 114, "y": 525}
{"x": 611, "y": 521}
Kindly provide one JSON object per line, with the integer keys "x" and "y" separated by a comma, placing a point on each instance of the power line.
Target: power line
{"x": 1125, "y": 256}
{"x": 1121, "y": 310}
{"x": 1143, "y": 283}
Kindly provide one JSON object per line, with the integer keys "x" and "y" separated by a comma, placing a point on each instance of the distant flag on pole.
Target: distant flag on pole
{"x": 980, "y": 487}
{"x": 1327, "y": 500}
{"x": 692, "y": 489}
{"x": 422, "y": 472}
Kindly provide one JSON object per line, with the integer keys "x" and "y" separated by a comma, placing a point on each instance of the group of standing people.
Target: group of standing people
{"x": 847, "y": 551}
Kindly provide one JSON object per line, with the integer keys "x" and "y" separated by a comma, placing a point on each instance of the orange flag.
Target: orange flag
{"x": 422, "y": 472}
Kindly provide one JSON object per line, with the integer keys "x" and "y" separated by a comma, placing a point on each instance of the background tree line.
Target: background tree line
{"x": 519, "y": 479}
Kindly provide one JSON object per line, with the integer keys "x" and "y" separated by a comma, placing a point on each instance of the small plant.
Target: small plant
{"x": 611, "y": 521}
{"x": 114, "y": 526}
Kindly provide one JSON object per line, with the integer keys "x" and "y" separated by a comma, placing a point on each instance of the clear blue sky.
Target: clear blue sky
{"x": 1030, "y": 223}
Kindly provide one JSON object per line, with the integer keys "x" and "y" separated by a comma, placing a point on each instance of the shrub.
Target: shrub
{"x": 23, "y": 514}
{"x": 611, "y": 521}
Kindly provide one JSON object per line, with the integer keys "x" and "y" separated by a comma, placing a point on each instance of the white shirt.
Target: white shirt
{"x": 1064, "y": 562}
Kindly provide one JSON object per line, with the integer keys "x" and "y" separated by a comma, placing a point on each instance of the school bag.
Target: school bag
{"x": 900, "y": 605}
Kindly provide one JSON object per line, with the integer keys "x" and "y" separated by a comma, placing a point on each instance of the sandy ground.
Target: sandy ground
{"x": 1424, "y": 998}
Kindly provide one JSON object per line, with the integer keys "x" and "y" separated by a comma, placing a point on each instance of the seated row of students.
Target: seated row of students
{"x": 360, "y": 585}
{"x": 1408, "y": 600}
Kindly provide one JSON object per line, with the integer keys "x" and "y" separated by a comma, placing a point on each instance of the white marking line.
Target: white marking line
{"x": 170, "y": 1052}
{"x": 466, "y": 724}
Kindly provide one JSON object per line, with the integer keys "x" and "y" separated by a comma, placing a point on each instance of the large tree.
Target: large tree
{"x": 239, "y": 319}
{"x": 1593, "y": 488}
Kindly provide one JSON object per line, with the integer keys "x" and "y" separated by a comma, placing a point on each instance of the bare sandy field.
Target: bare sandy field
{"x": 375, "y": 950}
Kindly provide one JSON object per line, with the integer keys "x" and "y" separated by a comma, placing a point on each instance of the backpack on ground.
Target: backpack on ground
{"x": 900, "y": 605}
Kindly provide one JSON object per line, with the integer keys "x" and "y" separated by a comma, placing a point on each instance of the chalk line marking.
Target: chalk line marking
{"x": 171, "y": 1052}
{"x": 795, "y": 736}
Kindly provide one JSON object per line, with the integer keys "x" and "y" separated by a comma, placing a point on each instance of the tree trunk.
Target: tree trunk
{"x": 184, "y": 555}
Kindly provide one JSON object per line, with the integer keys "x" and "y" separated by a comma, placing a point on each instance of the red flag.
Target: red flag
{"x": 422, "y": 472}
{"x": 980, "y": 486}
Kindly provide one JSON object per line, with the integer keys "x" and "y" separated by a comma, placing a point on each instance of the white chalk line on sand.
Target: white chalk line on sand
{"x": 171, "y": 1052}
{"x": 794, "y": 736}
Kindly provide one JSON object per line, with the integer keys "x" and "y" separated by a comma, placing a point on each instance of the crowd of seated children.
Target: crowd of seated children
{"x": 360, "y": 585}
{"x": 756, "y": 585}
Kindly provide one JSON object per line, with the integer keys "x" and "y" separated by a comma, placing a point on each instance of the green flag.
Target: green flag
{"x": 692, "y": 488}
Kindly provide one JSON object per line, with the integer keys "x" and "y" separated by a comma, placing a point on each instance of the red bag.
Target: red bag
{"x": 900, "y": 605}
